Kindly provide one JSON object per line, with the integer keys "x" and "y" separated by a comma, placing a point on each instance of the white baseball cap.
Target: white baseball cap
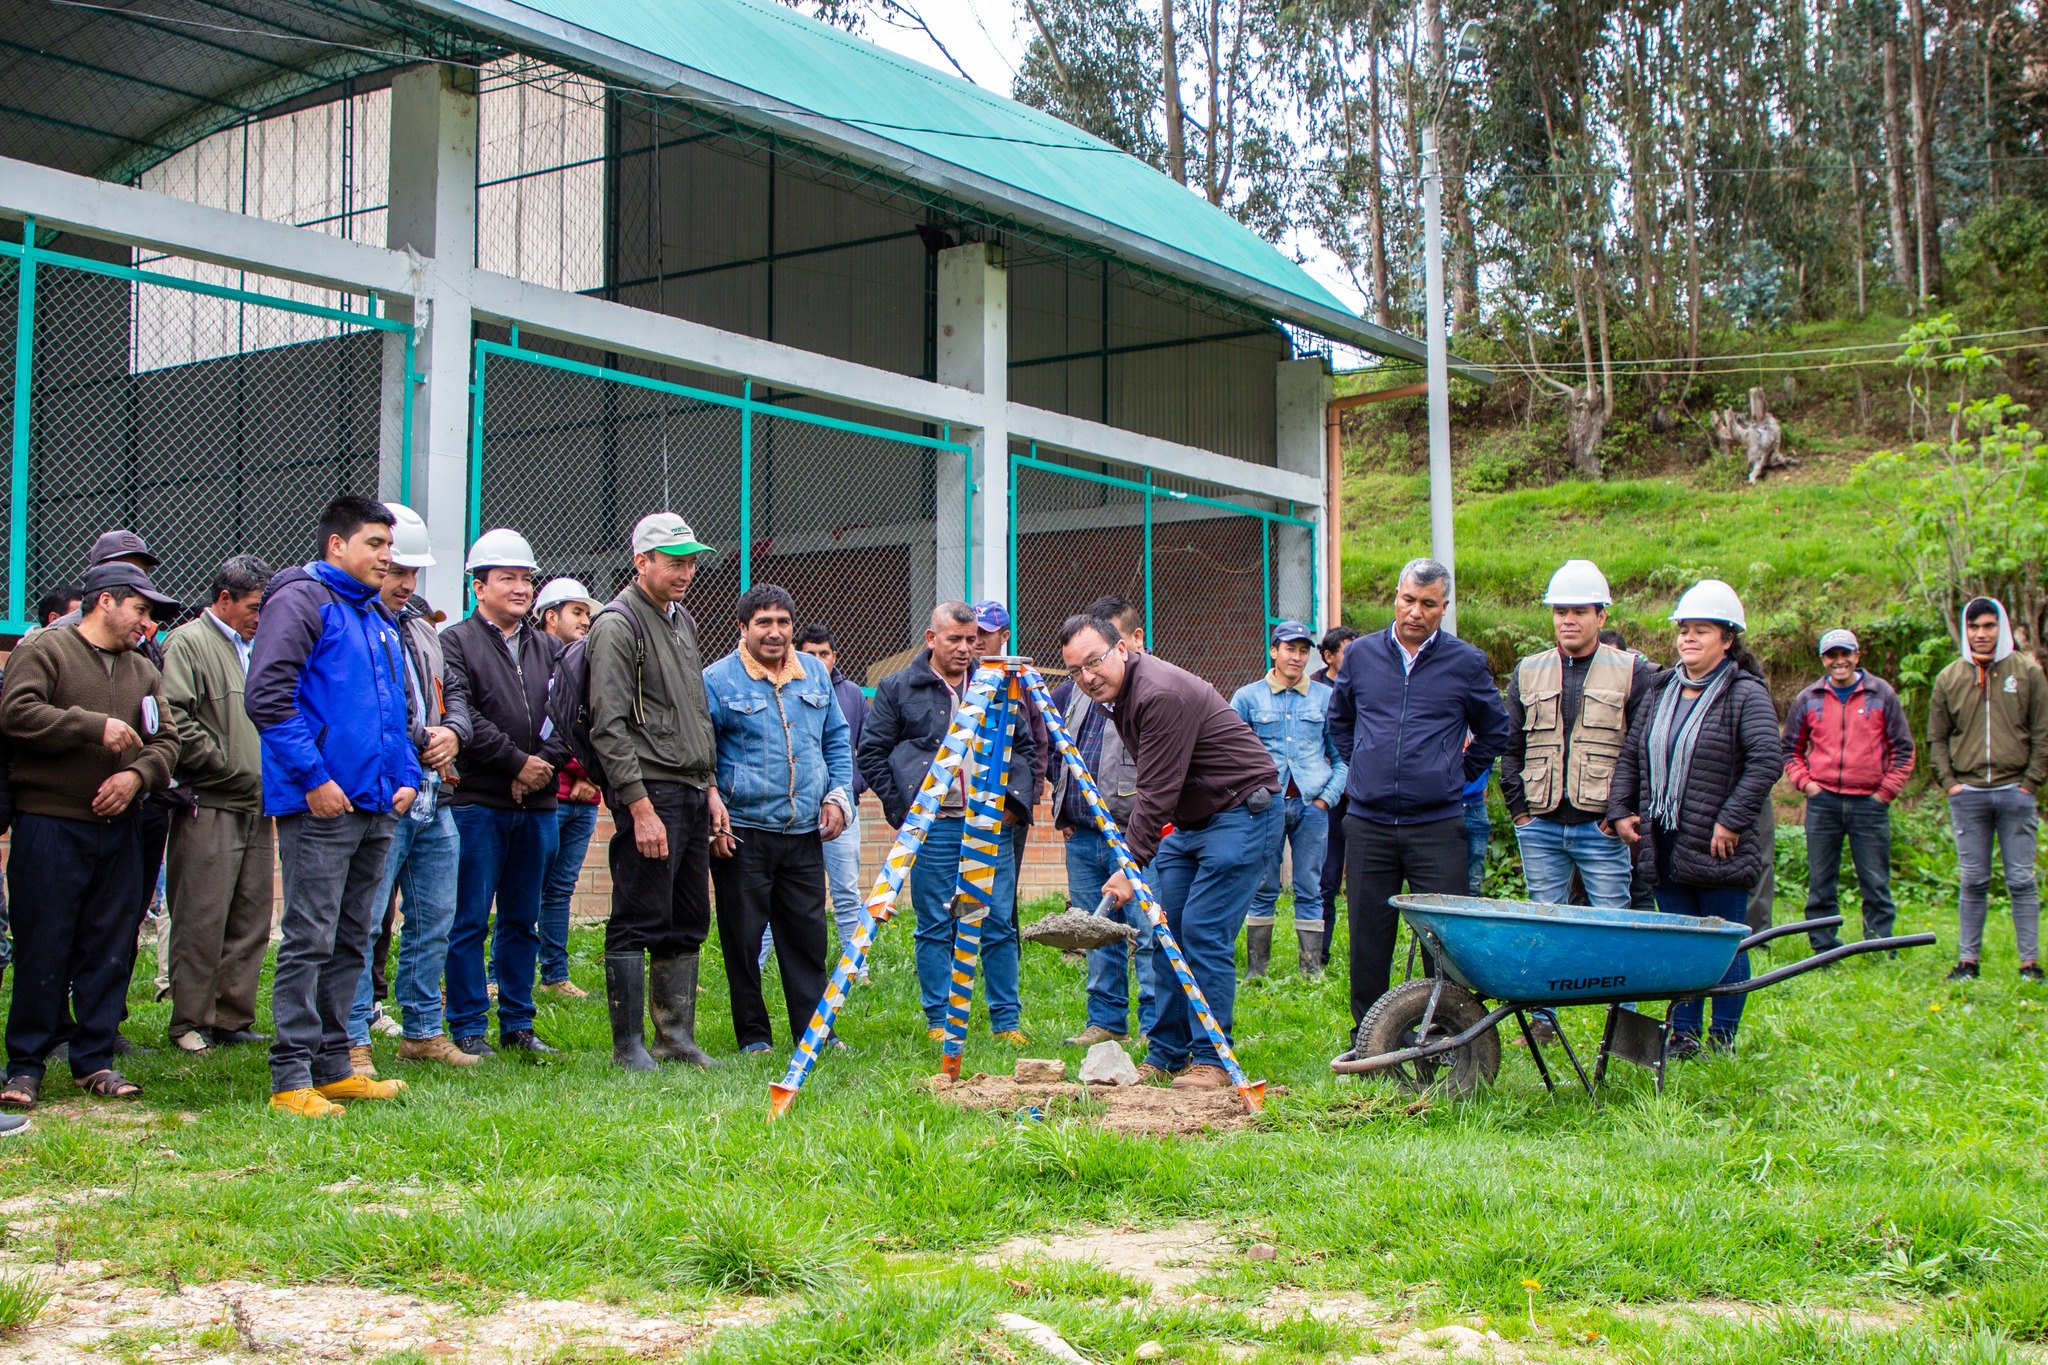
{"x": 668, "y": 533}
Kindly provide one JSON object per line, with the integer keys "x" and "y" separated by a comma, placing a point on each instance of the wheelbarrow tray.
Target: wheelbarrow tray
{"x": 1540, "y": 954}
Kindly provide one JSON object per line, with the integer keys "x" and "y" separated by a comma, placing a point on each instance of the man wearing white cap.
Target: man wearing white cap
{"x": 1848, "y": 747}
{"x": 565, "y": 607}
{"x": 650, "y": 731}
{"x": 1569, "y": 709}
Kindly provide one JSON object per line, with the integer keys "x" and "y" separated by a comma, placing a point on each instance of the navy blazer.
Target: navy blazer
{"x": 1404, "y": 732}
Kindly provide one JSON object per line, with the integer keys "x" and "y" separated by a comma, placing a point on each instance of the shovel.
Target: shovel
{"x": 1076, "y": 930}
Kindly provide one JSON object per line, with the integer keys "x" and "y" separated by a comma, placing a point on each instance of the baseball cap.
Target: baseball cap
{"x": 117, "y": 544}
{"x": 668, "y": 533}
{"x": 1839, "y": 639}
{"x": 1289, "y": 631}
{"x": 990, "y": 614}
{"x": 101, "y": 577}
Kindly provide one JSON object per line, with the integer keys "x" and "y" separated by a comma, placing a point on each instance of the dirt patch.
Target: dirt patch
{"x": 1151, "y": 1110}
{"x": 1168, "y": 1259}
{"x": 91, "y": 1316}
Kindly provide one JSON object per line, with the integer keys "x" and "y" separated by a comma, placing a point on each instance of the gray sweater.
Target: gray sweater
{"x": 648, "y": 719}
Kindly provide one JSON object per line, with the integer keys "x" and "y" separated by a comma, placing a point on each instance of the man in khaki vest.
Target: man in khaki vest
{"x": 1570, "y": 709}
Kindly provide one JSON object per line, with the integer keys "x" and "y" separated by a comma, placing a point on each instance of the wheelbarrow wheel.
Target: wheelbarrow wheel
{"x": 1394, "y": 1023}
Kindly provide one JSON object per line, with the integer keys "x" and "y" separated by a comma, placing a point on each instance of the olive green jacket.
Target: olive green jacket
{"x": 221, "y": 759}
{"x": 1987, "y": 725}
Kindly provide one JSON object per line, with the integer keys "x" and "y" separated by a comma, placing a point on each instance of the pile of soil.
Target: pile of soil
{"x": 1150, "y": 1110}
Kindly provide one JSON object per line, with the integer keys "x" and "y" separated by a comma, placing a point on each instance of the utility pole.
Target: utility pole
{"x": 1442, "y": 545}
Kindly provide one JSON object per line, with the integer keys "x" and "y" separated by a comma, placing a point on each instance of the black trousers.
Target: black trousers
{"x": 772, "y": 881}
{"x": 1431, "y": 858}
{"x": 662, "y": 906}
{"x": 75, "y": 886}
{"x": 1333, "y": 874}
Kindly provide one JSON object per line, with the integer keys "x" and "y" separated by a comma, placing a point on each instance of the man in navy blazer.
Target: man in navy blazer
{"x": 1401, "y": 710}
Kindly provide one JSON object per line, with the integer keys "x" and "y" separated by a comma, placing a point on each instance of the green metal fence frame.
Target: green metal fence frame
{"x": 29, "y": 256}
{"x": 1151, "y": 491}
{"x": 746, "y": 404}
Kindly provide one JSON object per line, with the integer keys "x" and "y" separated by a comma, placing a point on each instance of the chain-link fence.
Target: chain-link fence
{"x": 1212, "y": 569}
{"x": 208, "y": 411}
{"x": 847, "y": 515}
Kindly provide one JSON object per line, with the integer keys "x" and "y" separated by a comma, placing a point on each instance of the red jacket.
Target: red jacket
{"x": 1858, "y": 748}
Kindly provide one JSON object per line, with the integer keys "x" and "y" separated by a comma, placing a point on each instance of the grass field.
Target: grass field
{"x": 1870, "y": 1170}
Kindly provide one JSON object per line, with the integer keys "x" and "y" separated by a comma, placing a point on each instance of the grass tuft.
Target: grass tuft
{"x": 22, "y": 1298}
{"x": 736, "y": 1247}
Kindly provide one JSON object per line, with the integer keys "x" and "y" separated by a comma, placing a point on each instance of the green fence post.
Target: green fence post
{"x": 1150, "y": 641}
{"x": 405, "y": 411}
{"x": 967, "y": 518}
{"x": 476, "y": 460}
{"x": 24, "y": 372}
{"x": 747, "y": 485}
{"x": 1016, "y": 594}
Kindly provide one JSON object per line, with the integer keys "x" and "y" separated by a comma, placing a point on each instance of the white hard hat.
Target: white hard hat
{"x": 1711, "y": 600}
{"x": 559, "y": 590}
{"x": 1578, "y": 584}
{"x": 410, "y": 548}
{"x": 499, "y": 548}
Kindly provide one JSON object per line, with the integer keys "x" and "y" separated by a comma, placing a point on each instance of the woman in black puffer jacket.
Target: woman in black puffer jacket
{"x": 1699, "y": 765}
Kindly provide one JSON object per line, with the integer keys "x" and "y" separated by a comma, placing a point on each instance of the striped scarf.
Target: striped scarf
{"x": 1672, "y": 740}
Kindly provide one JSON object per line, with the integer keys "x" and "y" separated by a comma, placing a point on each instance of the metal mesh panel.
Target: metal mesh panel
{"x": 843, "y": 514}
{"x": 1075, "y": 541}
{"x": 211, "y": 426}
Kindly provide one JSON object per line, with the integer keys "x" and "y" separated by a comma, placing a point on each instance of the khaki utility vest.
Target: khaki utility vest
{"x": 1548, "y": 780}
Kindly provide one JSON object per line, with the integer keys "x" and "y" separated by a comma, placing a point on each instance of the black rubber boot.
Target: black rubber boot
{"x": 1258, "y": 949}
{"x": 625, "y": 996}
{"x": 1309, "y": 945}
{"x": 674, "y": 1002}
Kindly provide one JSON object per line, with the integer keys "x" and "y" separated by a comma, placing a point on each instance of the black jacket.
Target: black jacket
{"x": 1403, "y": 731}
{"x": 508, "y": 703}
{"x": 907, "y": 723}
{"x": 1736, "y": 762}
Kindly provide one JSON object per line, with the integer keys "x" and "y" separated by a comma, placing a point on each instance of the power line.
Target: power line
{"x": 1580, "y": 366}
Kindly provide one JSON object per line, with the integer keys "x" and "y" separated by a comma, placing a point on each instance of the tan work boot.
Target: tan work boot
{"x": 1203, "y": 1077}
{"x": 1149, "y": 1074}
{"x": 934, "y": 1035}
{"x": 434, "y": 1049}
{"x": 360, "y": 1063}
{"x": 305, "y": 1104}
{"x": 1096, "y": 1033}
{"x": 564, "y": 989}
{"x": 360, "y": 1088}
{"x": 1015, "y": 1037}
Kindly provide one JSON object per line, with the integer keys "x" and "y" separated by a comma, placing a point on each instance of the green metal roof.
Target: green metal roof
{"x": 765, "y": 62}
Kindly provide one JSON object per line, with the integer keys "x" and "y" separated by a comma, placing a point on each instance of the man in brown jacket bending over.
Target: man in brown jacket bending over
{"x": 84, "y": 715}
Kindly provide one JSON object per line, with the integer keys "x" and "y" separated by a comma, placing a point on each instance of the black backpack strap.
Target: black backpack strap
{"x": 618, "y": 604}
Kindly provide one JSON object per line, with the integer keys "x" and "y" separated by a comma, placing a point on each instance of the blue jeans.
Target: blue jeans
{"x": 842, "y": 878}
{"x": 422, "y": 865}
{"x": 932, "y": 879}
{"x": 1305, "y": 826}
{"x": 505, "y": 853}
{"x": 1090, "y": 863}
{"x": 1204, "y": 880}
{"x": 1732, "y": 904}
{"x": 1478, "y": 834}
{"x": 1552, "y": 851}
{"x": 1867, "y": 824}
{"x": 575, "y": 822}
{"x": 2009, "y": 814}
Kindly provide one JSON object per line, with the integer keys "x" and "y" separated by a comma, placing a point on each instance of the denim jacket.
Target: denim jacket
{"x": 1295, "y": 729}
{"x": 782, "y": 749}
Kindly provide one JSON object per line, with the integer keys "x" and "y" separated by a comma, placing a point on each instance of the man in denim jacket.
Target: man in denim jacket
{"x": 1290, "y": 714}
{"x": 785, "y": 770}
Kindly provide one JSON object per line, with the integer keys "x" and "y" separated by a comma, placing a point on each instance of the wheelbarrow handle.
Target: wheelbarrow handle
{"x": 1832, "y": 955}
{"x": 1779, "y": 931}
{"x": 1431, "y": 1049}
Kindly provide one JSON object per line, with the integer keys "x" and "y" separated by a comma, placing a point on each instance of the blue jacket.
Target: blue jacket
{"x": 780, "y": 749}
{"x": 1295, "y": 730}
{"x": 853, "y": 704}
{"x": 328, "y": 694}
{"x": 1405, "y": 732}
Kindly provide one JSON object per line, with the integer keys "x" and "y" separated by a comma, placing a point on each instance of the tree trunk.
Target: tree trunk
{"x": 1169, "y": 82}
{"x": 1585, "y": 426}
{"x": 1376, "y": 193}
{"x": 1926, "y": 206}
{"x": 1692, "y": 252}
{"x": 1896, "y": 155}
{"x": 1212, "y": 48}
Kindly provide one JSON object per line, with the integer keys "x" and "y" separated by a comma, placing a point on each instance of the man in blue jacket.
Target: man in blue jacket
{"x": 1407, "y": 697}
{"x": 328, "y": 694}
{"x": 785, "y": 769}
{"x": 1289, "y": 712}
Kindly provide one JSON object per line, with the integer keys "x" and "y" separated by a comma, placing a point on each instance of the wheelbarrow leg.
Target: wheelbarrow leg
{"x": 1573, "y": 1057}
{"x": 1535, "y": 1052}
{"x": 1606, "y": 1045}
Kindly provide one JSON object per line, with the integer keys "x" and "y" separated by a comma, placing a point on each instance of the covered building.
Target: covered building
{"x": 882, "y": 336}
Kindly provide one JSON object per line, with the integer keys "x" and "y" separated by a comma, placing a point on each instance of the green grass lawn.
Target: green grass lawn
{"x": 1879, "y": 1143}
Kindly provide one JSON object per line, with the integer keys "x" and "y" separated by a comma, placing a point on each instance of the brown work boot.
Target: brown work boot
{"x": 434, "y": 1049}
{"x": 1149, "y": 1074}
{"x": 1096, "y": 1033}
{"x": 305, "y": 1104}
{"x": 564, "y": 989}
{"x": 1203, "y": 1077}
{"x": 360, "y": 1088}
{"x": 360, "y": 1063}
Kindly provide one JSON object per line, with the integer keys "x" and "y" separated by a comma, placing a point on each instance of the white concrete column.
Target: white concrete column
{"x": 433, "y": 216}
{"x": 974, "y": 354}
{"x": 1301, "y": 389}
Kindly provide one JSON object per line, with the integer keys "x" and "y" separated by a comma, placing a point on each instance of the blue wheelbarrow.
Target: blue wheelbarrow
{"x": 1435, "y": 1033}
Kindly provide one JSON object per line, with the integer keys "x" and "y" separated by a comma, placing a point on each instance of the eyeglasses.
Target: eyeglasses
{"x": 1094, "y": 665}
